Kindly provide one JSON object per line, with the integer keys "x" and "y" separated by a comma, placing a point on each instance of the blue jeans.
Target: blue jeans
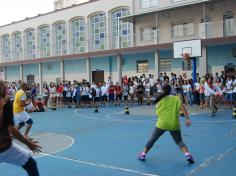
{"x": 189, "y": 95}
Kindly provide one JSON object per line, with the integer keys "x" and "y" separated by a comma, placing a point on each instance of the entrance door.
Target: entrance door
{"x": 230, "y": 68}
{"x": 30, "y": 79}
{"x": 98, "y": 76}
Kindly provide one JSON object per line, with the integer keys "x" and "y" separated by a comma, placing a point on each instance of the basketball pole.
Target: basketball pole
{"x": 194, "y": 60}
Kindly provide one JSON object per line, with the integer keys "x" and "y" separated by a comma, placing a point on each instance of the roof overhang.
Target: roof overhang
{"x": 130, "y": 18}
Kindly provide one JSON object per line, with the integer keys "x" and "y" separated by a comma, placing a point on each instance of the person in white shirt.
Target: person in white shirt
{"x": 211, "y": 91}
{"x": 196, "y": 92}
{"x": 234, "y": 92}
{"x": 229, "y": 92}
{"x": 147, "y": 91}
{"x": 104, "y": 91}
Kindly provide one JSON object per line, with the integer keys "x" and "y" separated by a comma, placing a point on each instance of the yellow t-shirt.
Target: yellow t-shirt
{"x": 17, "y": 106}
{"x": 167, "y": 110}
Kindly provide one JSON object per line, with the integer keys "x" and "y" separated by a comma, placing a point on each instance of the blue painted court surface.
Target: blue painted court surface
{"x": 83, "y": 143}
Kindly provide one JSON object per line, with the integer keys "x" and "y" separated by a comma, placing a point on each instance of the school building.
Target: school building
{"x": 97, "y": 39}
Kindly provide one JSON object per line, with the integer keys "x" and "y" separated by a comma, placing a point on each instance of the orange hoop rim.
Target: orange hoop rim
{"x": 185, "y": 56}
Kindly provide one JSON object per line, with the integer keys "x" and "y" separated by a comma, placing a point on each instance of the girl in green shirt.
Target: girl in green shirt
{"x": 167, "y": 110}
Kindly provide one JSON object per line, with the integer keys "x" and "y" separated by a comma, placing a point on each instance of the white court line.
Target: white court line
{"x": 62, "y": 149}
{"x": 145, "y": 121}
{"x": 101, "y": 165}
{"x": 110, "y": 119}
{"x": 210, "y": 161}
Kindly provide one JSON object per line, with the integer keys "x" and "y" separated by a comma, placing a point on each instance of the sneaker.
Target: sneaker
{"x": 190, "y": 159}
{"x": 141, "y": 157}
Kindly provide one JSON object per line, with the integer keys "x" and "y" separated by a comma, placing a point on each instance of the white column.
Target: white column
{"x": 40, "y": 79}
{"x": 108, "y": 31}
{"x": 37, "y": 55}
{"x": 51, "y": 40}
{"x": 62, "y": 70}
{"x": 157, "y": 65}
{"x": 119, "y": 67}
{"x": 21, "y": 73}
{"x": 88, "y": 69}
{"x": 69, "y": 44}
{"x": 4, "y": 73}
{"x": 203, "y": 62}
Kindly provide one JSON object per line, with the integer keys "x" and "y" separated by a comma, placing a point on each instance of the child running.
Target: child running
{"x": 168, "y": 108}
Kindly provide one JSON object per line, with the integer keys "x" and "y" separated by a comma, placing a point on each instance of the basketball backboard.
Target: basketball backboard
{"x": 192, "y": 47}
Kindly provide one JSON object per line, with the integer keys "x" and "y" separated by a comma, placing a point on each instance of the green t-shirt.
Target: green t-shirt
{"x": 167, "y": 110}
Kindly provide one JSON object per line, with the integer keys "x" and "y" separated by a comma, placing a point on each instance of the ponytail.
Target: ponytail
{"x": 166, "y": 89}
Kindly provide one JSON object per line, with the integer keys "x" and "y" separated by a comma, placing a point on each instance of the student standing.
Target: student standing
{"x": 168, "y": 108}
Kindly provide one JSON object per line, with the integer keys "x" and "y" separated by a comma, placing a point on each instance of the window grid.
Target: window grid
{"x": 45, "y": 41}
{"x": 30, "y": 44}
{"x": 142, "y": 66}
{"x": 78, "y": 35}
{"x": 181, "y": 30}
{"x": 17, "y": 46}
{"x": 6, "y": 49}
{"x": 165, "y": 65}
{"x": 124, "y": 30}
{"x": 148, "y": 3}
{"x": 60, "y": 38}
{"x": 98, "y": 27}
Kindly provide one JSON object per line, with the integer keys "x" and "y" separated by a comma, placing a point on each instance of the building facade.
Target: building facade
{"x": 102, "y": 38}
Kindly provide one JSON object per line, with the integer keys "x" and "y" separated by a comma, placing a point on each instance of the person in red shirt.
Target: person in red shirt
{"x": 118, "y": 93}
{"x": 60, "y": 89}
{"x": 111, "y": 91}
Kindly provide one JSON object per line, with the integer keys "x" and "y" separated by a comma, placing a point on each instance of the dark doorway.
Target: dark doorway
{"x": 30, "y": 79}
{"x": 98, "y": 76}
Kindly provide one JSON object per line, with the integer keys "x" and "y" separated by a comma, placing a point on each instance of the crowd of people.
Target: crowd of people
{"x": 141, "y": 89}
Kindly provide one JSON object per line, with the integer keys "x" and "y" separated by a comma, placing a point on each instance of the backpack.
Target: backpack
{"x": 93, "y": 92}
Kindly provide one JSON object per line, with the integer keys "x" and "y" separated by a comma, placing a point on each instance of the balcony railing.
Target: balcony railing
{"x": 158, "y": 36}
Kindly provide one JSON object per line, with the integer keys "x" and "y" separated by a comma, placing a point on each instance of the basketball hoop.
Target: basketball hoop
{"x": 185, "y": 56}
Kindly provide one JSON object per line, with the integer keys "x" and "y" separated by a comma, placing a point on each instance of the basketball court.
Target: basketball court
{"x": 79, "y": 142}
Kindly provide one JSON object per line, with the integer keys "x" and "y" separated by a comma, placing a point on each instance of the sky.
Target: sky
{"x": 15, "y": 10}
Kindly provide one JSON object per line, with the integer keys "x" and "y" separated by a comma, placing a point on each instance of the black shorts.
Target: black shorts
{"x": 96, "y": 99}
{"x": 118, "y": 97}
{"x": 84, "y": 98}
{"x": 202, "y": 96}
{"x": 104, "y": 98}
{"x": 125, "y": 97}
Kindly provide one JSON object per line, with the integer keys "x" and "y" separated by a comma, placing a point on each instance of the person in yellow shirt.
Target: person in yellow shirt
{"x": 19, "y": 104}
{"x": 167, "y": 110}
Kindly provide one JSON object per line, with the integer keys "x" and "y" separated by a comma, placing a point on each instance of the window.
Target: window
{"x": 148, "y": 3}
{"x": 165, "y": 65}
{"x": 142, "y": 66}
{"x": 78, "y": 35}
{"x": 145, "y": 34}
{"x": 98, "y": 31}
{"x": 44, "y": 41}
{"x": 30, "y": 44}
{"x": 229, "y": 25}
{"x": 60, "y": 38}
{"x": 124, "y": 30}
{"x": 181, "y": 30}
{"x": 17, "y": 46}
{"x": 6, "y": 49}
{"x": 187, "y": 64}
